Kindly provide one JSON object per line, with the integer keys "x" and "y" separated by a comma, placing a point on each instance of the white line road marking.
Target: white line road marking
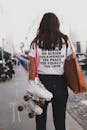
{"x": 19, "y": 119}
{"x": 13, "y": 107}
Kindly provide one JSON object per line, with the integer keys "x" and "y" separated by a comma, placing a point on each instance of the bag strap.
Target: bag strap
{"x": 36, "y": 63}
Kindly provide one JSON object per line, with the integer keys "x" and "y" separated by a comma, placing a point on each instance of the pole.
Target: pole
{"x": 2, "y": 52}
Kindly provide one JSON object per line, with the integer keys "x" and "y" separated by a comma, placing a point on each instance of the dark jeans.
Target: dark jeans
{"x": 56, "y": 85}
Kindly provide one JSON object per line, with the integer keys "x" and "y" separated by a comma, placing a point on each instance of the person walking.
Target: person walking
{"x": 53, "y": 48}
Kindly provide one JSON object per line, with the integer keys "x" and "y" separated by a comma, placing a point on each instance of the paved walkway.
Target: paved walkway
{"x": 10, "y": 93}
{"x": 71, "y": 124}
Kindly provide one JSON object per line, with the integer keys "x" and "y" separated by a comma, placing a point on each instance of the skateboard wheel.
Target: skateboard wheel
{"x": 31, "y": 115}
{"x": 20, "y": 108}
{"x": 26, "y": 98}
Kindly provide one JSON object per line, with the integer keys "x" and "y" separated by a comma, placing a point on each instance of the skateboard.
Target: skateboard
{"x": 34, "y": 99}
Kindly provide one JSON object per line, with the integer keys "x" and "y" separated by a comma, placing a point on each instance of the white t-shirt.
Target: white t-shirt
{"x": 51, "y": 62}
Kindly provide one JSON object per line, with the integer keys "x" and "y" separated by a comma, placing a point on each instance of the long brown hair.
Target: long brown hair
{"x": 49, "y": 35}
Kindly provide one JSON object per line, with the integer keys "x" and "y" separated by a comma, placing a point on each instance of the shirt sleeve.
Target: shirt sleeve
{"x": 32, "y": 51}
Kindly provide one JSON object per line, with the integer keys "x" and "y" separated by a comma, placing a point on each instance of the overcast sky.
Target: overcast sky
{"x": 20, "y": 18}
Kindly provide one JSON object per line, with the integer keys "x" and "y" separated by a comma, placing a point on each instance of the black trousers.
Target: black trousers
{"x": 56, "y": 85}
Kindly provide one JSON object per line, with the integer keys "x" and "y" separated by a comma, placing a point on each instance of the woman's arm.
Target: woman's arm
{"x": 32, "y": 68}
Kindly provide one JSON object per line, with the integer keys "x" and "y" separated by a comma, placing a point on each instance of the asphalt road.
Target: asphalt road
{"x": 11, "y": 95}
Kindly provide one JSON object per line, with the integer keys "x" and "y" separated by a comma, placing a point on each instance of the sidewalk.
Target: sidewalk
{"x": 71, "y": 124}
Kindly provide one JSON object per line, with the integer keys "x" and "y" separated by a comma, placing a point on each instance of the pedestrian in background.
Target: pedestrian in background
{"x": 53, "y": 48}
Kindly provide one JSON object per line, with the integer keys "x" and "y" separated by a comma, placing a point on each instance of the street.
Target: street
{"x": 11, "y": 95}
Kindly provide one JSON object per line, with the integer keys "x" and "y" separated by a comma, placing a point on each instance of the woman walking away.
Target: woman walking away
{"x": 51, "y": 45}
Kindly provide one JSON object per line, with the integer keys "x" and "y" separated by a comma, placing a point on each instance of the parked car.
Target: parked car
{"x": 6, "y": 71}
{"x": 10, "y": 66}
{"x": 82, "y": 59}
